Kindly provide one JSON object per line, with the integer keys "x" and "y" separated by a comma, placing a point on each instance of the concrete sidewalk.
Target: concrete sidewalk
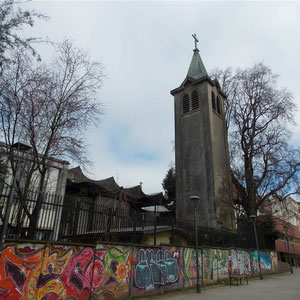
{"x": 285, "y": 286}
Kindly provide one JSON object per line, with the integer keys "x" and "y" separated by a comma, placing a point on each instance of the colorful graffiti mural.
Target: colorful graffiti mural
{"x": 154, "y": 269}
{"x": 268, "y": 261}
{"x": 18, "y": 264}
{"x": 274, "y": 259}
{"x": 239, "y": 262}
{"x": 63, "y": 272}
{"x": 111, "y": 273}
{"x": 220, "y": 265}
{"x": 188, "y": 266}
{"x": 46, "y": 272}
{"x": 213, "y": 266}
{"x": 208, "y": 263}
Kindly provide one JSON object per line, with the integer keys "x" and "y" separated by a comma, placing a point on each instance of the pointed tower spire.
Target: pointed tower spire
{"x": 196, "y": 69}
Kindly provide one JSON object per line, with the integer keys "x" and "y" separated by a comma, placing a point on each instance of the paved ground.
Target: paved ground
{"x": 284, "y": 286}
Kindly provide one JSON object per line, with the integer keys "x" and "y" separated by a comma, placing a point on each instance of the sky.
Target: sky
{"x": 146, "y": 48}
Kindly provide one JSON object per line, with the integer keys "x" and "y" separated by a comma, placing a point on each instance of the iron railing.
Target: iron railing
{"x": 22, "y": 210}
{"x": 91, "y": 220}
{"x": 226, "y": 239}
{"x": 78, "y": 219}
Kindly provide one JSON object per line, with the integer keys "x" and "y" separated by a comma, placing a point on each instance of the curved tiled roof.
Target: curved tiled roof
{"x": 134, "y": 194}
{"x": 76, "y": 175}
{"x": 109, "y": 184}
{"x": 136, "y": 190}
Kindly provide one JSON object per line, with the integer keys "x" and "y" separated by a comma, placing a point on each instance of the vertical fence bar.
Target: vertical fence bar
{"x": 83, "y": 218}
{"x": 75, "y": 220}
{"x": 134, "y": 226}
{"x": 155, "y": 226}
{"x": 172, "y": 234}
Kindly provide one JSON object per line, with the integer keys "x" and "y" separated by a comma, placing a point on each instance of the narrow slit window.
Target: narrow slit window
{"x": 195, "y": 100}
{"x": 213, "y": 100}
{"x": 185, "y": 103}
{"x": 218, "y": 105}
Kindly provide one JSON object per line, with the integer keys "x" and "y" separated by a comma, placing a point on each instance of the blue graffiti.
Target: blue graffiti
{"x": 158, "y": 268}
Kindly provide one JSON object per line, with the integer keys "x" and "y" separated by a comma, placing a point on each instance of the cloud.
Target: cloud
{"x": 146, "y": 48}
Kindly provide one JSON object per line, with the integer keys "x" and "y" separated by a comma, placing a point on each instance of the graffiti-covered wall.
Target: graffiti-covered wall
{"x": 155, "y": 269}
{"x": 38, "y": 271}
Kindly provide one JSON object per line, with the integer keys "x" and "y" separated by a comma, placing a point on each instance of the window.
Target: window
{"x": 213, "y": 100}
{"x": 195, "y": 100}
{"x": 185, "y": 103}
{"x": 218, "y": 105}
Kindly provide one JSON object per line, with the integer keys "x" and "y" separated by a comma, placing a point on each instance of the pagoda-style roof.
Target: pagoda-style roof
{"x": 109, "y": 187}
{"x": 145, "y": 199}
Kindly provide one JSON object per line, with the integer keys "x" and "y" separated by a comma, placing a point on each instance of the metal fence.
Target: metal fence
{"x": 85, "y": 220}
{"x": 76, "y": 219}
{"x": 21, "y": 213}
{"x": 226, "y": 239}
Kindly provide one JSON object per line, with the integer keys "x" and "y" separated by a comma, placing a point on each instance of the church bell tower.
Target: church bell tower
{"x": 201, "y": 148}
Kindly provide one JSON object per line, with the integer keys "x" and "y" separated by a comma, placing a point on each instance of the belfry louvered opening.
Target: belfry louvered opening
{"x": 218, "y": 105}
{"x": 213, "y": 100}
{"x": 195, "y": 100}
{"x": 185, "y": 103}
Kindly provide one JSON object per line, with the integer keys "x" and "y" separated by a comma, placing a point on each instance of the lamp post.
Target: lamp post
{"x": 19, "y": 146}
{"x": 195, "y": 199}
{"x": 288, "y": 245}
{"x": 253, "y": 219}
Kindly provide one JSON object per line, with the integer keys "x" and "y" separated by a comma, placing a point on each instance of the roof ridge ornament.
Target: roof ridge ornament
{"x": 196, "y": 41}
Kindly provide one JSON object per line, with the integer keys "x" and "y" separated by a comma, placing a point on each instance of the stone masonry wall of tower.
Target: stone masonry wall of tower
{"x": 201, "y": 151}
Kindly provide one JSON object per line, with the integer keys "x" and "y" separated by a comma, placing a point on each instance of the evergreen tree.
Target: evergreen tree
{"x": 169, "y": 186}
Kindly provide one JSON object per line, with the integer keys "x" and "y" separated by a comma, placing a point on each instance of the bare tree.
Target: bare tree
{"x": 12, "y": 20}
{"x": 2, "y": 172}
{"x": 229, "y": 84}
{"x": 50, "y": 106}
{"x": 264, "y": 164}
{"x": 19, "y": 83}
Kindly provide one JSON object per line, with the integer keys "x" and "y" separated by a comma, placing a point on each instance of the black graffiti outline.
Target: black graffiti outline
{"x": 158, "y": 268}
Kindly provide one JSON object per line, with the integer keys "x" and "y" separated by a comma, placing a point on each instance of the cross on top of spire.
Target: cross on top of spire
{"x": 196, "y": 40}
{"x": 196, "y": 69}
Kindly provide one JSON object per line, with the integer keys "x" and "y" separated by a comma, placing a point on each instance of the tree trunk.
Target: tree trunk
{"x": 32, "y": 232}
